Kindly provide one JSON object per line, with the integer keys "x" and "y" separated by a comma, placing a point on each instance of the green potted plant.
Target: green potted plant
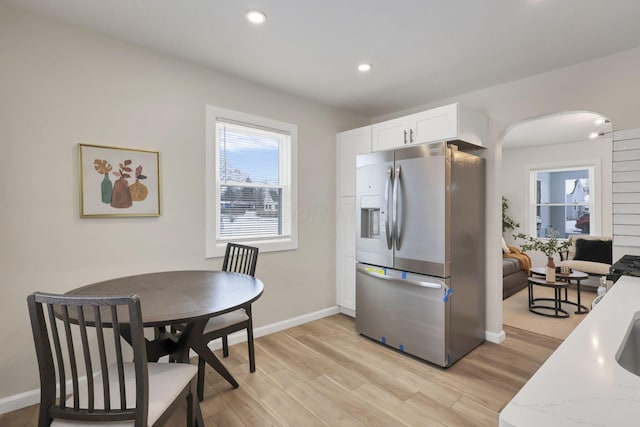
{"x": 549, "y": 246}
{"x": 507, "y": 222}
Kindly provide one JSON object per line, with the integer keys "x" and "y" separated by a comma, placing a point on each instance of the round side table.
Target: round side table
{"x": 575, "y": 275}
{"x": 543, "y": 310}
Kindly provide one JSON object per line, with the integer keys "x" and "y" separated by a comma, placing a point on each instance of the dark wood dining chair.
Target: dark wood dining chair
{"x": 240, "y": 259}
{"x": 81, "y": 351}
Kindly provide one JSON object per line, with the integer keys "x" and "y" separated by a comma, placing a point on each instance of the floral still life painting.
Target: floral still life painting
{"x": 118, "y": 181}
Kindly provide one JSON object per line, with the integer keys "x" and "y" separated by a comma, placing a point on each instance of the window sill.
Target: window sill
{"x": 272, "y": 245}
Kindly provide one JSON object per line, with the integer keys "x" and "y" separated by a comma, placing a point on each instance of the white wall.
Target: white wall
{"x": 517, "y": 162}
{"x": 60, "y": 86}
{"x": 607, "y": 85}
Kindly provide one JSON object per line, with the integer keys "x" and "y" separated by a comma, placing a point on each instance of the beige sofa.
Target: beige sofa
{"x": 589, "y": 254}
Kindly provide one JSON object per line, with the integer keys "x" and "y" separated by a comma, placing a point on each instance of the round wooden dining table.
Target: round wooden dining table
{"x": 186, "y": 298}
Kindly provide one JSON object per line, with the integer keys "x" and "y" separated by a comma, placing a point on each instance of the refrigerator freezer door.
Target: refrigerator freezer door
{"x": 374, "y": 239}
{"x": 409, "y": 314}
{"x": 422, "y": 226}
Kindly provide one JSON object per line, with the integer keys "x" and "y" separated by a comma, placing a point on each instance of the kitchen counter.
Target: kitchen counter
{"x": 581, "y": 384}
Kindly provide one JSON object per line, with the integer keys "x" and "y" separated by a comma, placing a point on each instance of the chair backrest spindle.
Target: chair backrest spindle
{"x": 104, "y": 367}
{"x": 58, "y": 352}
{"x": 72, "y": 356}
{"x": 88, "y": 363}
{"x": 115, "y": 324}
{"x": 240, "y": 259}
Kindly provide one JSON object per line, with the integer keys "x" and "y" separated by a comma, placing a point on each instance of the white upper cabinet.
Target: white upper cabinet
{"x": 391, "y": 133}
{"x": 452, "y": 122}
{"x": 348, "y": 145}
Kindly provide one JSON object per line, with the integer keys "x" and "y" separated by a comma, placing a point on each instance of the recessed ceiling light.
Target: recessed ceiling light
{"x": 364, "y": 67}
{"x": 599, "y": 121}
{"x": 255, "y": 16}
{"x": 594, "y": 135}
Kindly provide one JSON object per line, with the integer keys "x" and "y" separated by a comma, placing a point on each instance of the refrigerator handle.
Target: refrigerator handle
{"x": 429, "y": 285}
{"x": 388, "y": 207}
{"x": 396, "y": 219}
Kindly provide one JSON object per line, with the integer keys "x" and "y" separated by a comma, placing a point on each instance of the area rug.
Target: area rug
{"x": 515, "y": 312}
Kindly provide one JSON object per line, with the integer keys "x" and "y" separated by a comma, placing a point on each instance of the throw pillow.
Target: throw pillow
{"x": 505, "y": 248}
{"x": 594, "y": 250}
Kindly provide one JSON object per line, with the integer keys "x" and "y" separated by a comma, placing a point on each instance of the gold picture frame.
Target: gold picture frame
{"x": 118, "y": 182}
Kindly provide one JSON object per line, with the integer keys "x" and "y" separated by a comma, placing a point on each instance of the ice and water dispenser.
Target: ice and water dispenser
{"x": 370, "y": 217}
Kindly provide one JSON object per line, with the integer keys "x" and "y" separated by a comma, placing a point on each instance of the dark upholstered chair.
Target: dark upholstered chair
{"x": 81, "y": 351}
{"x": 239, "y": 259}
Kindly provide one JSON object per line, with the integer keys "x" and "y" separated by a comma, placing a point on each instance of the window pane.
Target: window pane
{"x": 563, "y": 187}
{"x": 555, "y": 219}
{"x": 248, "y": 155}
{"x": 250, "y": 185}
{"x": 250, "y": 211}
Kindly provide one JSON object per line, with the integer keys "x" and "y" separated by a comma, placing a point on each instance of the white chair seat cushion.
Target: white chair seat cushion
{"x": 166, "y": 381}
{"x": 590, "y": 267}
{"x": 224, "y": 320}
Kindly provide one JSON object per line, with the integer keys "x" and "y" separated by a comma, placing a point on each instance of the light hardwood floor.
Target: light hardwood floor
{"x": 324, "y": 374}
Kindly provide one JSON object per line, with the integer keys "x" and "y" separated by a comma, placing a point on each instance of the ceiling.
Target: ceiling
{"x": 421, "y": 50}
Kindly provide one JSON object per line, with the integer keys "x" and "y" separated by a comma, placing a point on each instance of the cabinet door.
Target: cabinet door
{"x": 349, "y": 144}
{"x": 434, "y": 125}
{"x": 390, "y": 134}
{"x": 346, "y": 254}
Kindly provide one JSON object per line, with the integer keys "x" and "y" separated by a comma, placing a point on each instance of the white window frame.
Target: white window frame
{"x": 595, "y": 191}
{"x": 215, "y": 247}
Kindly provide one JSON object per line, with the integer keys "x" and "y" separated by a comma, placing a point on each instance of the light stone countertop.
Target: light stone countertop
{"x": 581, "y": 384}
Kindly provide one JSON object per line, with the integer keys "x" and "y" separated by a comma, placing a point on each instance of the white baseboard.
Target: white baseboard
{"x": 348, "y": 312}
{"x": 495, "y": 338}
{"x": 241, "y": 336}
{"x": 19, "y": 401}
{"x": 28, "y": 398}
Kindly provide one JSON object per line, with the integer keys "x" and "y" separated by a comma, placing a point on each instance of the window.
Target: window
{"x": 251, "y": 182}
{"x": 562, "y": 201}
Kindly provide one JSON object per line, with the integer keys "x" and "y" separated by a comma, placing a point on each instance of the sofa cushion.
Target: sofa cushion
{"x": 510, "y": 266}
{"x": 593, "y": 250}
{"x": 514, "y": 278}
{"x": 588, "y": 267}
{"x": 575, "y": 237}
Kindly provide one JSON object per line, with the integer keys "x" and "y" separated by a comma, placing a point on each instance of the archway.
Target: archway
{"x": 568, "y": 140}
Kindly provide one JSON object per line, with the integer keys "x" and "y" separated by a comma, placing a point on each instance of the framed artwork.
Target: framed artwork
{"x": 118, "y": 181}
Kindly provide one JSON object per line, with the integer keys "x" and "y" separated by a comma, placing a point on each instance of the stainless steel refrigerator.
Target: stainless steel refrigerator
{"x": 420, "y": 272}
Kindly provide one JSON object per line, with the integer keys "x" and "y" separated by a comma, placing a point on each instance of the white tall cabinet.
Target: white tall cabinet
{"x": 348, "y": 145}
